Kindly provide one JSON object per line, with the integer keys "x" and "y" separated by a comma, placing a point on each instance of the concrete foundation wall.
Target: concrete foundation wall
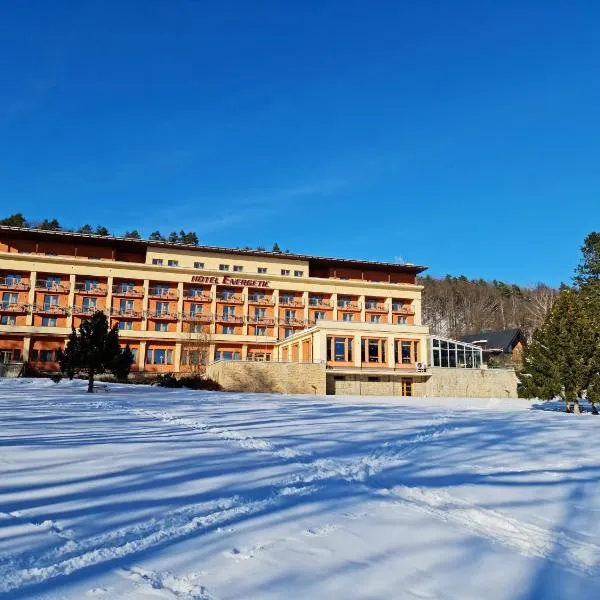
{"x": 469, "y": 383}
{"x": 282, "y": 378}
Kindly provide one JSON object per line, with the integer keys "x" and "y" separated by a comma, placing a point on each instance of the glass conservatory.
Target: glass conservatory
{"x": 454, "y": 354}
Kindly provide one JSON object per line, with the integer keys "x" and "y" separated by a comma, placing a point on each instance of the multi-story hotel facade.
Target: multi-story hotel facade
{"x": 352, "y": 315}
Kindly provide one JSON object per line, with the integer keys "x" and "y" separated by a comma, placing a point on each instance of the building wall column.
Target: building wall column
{"x": 31, "y": 297}
{"x": 145, "y": 302}
{"x": 391, "y": 363}
{"x": 142, "y": 355}
{"x": 305, "y": 299}
{"x": 177, "y": 357}
{"x": 363, "y": 309}
{"x": 213, "y": 310}
{"x": 179, "y": 326}
{"x": 245, "y": 310}
{"x": 109, "y": 292}
{"x": 71, "y": 300}
{"x": 333, "y": 301}
{"x": 26, "y": 347}
{"x": 357, "y": 360}
{"x": 416, "y": 303}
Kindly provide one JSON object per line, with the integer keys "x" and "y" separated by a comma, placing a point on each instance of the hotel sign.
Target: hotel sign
{"x": 234, "y": 281}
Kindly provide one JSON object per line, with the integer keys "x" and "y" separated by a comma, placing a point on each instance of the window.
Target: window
{"x": 48, "y": 321}
{"x": 227, "y": 294}
{"x": 298, "y": 273}
{"x": 315, "y": 300}
{"x": 47, "y": 356}
{"x": 406, "y": 351}
{"x": 373, "y": 350}
{"x": 158, "y": 356}
{"x": 90, "y": 284}
{"x": 401, "y": 320}
{"x": 260, "y": 313}
{"x": 375, "y": 318}
{"x": 289, "y": 314}
{"x": 9, "y": 299}
{"x": 223, "y": 267}
{"x": 125, "y": 306}
{"x": 238, "y": 268}
{"x": 257, "y": 296}
{"x": 125, "y": 325}
{"x": 8, "y": 320}
{"x": 157, "y": 261}
{"x": 193, "y": 357}
{"x": 195, "y": 309}
{"x": 372, "y": 304}
{"x": 173, "y": 263}
{"x": 319, "y": 315}
{"x": 228, "y": 329}
{"x": 89, "y": 304}
{"x": 134, "y": 353}
{"x": 13, "y": 279}
{"x": 161, "y": 326}
{"x": 196, "y": 328}
{"x": 287, "y": 332}
{"x": 194, "y": 292}
{"x": 198, "y": 265}
{"x": 50, "y": 301}
{"x": 227, "y": 355}
{"x": 261, "y": 330}
{"x": 162, "y": 308}
{"x": 53, "y": 282}
{"x": 126, "y": 286}
{"x": 262, "y": 270}
{"x": 285, "y": 272}
{"x": 343, "y": 301}
{"x": 339, "y": 349}
{"x": 347, "y": 317}
{"x": 228, "y": 312}
{"x": 160, "y": 290}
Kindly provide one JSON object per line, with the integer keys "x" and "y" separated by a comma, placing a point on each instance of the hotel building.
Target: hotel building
{"x": 177, "y": 306}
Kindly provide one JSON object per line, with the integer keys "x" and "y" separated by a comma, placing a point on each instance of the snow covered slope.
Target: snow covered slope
{"x": 147, "y": 493}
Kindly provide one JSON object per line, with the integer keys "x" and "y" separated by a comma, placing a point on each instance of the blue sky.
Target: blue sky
{"x": 463, "y": 135}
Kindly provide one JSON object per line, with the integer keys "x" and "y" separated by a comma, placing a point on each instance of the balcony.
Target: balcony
{"x": 162, "y": 315}
{"x": 293, "y": 322}
{"x": 269, "y": 321}
{"x": 91, "y": 290}
{"x": 14, "y": 308}
{"x": 128, "y": 313}
{"x": 402, "y": 309}
{"x": 50, "y": 309}
{"x": 377, "y": 307}
{"x": 187, "y": 295}
{"x": 49, "y": 285}
{"x": 319, "y": 303}
{"x": 296, "y": 302}
{"x": 80, "y": 311}
{"x": 229, "y": 319}
{"x": 10, "y": 283}
{"x": 261, "y": 300}
{"x": 197, "y": 317}
{"x": 129, "y": 291}
{"x": 163, "y": 293}
{"x": 347, "y": 305}
{"x": 230, "y": 298}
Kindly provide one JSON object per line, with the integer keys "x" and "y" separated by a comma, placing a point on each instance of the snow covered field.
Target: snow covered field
{"x": 149, "y": 493}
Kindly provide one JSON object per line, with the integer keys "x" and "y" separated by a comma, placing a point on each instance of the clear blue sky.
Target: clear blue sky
{"x": 463, "y": 135}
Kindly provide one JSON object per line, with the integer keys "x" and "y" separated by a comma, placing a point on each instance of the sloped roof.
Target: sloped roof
{"x": 494, "y": 340}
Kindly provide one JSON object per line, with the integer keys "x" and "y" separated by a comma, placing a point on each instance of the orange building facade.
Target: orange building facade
{"x": 177, "y": 305}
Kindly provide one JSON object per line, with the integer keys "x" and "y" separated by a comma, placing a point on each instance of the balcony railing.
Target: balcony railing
{"x": 13, "y": 308}
{"x": 128, "y": 313}
{"x": 50, "y": 309}
{"x": 283, "y": 301}
{"x": 262, "y": 300}
{"x": 52, "y": 286}
{"x": 375, "y": 307}
{"x": 187, "y": 295}
{"x": 88, "y": 312}
{"x": 231, "y": 298}
{"x": 129, "y": 291}
{"x": 13, "y": 284}
{"x": 270, "y": 321}
{"x": 162, "y": 315}
{"x": 347, "y": 305}
{"x": 197, "y": 317}
{"x": 91, "y": 289}
{"x": 402, "y": 309}
{"x": 319, "y": 303}
{"x": 163, "y": 293}
{"x": 293, "y": 322}
{"x": 229, "y": 319}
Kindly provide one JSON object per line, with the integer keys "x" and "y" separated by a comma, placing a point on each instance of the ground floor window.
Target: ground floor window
{"x": 7, "y": 356}
{"x": 407, "y": 388}
{"x": 339, "y": 349}
{"x": 194, "y": 357}
{"x": 43, "y": 355}
{"x": 159, "y": 356}
{"x": 406, "y": 352}
{"x": 227, "y": 355}
{"x": 8, "y": 320}
{"x": 373, "y": 350}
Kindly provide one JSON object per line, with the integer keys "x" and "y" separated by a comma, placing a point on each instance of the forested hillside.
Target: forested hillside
{"x": 455, "y": 306}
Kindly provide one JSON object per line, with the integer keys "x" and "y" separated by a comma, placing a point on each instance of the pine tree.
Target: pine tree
{"x": 134, "y": 234}
{"x": 95, "y": 349}
{"x": 276, "y": 247}
{"x": 101, "y": 230}
{"x": 173, "y": 237}
{"x": 52, "y": 225}
{"x": 15, "y": 220}
{"x": 588, "y": 270}
{"x": 156, "y": 236}
{"x": 86, "y": 229}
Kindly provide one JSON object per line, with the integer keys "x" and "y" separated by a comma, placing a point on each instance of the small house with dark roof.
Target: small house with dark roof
{"x": 506, "y": 345}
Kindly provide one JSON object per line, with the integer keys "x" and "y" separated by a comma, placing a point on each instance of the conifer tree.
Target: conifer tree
{"x": 134, "y": 234}
{"x": 101, "y": 230}
{"x": 52, "y": 225}
{"x": 173, "y": 237}
{"x": 95, "y": 349}
{"x": 86, "y": 229}
{"x": 588, "y": 270}
{"x": 15, "y": 220}
{"x": 156, "y": 236}
{"x": 276, "y": 247}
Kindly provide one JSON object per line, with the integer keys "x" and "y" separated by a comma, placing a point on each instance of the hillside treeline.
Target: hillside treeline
{"x": 456, "y": 306}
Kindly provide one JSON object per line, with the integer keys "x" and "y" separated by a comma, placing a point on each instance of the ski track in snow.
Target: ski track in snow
{"x": 527, "y": 539}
